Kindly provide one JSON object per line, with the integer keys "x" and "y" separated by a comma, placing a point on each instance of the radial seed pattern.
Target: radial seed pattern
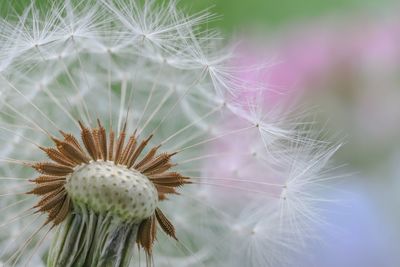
{"x": 69, "y": 158}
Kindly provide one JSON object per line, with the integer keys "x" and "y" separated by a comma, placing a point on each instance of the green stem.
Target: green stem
{"x": 87, "y": 239}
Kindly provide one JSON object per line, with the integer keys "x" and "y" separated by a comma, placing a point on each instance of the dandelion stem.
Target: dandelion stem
{"x": 88, "y": 239}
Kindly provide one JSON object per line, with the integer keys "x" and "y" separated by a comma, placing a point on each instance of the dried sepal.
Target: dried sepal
{"x": 46, "y": 179}
{"x": 147, "y": 234}
{"x": 57, "y": 156}
{"x": 96, "y": 138}
{"x": 70, "y": 139}
{"x": 138, "y": 151}
{"x": 148, "y": 157}
{"x": 111, "y": 146}
{"x": 166, "y": 189}
{"x": 47, "y": 187}
{"x": 50, "y": 168}
{"x": 173, "y": 179}
{"x": 63, "y": 212}
{"x": 120, "y": 145}
{"x": 102, "y": 140}
{"x": 159, "y": 170}
{"x": 69, "y": 153}
{"x": 88, "y": 141}
{"x": 52, "y": 213}
{"x": 51, "y": 201}
{"x": 129, "y": 149}
{"x": 165, "y": 224}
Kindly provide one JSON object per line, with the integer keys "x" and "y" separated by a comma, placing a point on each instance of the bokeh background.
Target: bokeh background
{"x": 342, "y": 56}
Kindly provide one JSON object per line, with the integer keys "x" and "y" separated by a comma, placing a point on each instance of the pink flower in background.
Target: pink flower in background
{"x": 349, "y": 62}
{"x": 304, "y": 56}
{"x": 299, "y": 60}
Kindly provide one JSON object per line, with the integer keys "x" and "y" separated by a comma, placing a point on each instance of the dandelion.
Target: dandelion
{"x": 124, "y": 142}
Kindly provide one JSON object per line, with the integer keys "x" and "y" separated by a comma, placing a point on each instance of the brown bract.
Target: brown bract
{"x": 69, "y": 153}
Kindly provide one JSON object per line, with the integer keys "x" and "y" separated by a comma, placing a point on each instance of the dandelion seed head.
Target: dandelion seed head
{"x": 180, "y": 145}
{"x": 105, "y": 187}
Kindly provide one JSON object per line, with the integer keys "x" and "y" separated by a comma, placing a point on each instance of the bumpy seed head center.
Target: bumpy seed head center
{"x": 108, "y": 188}
{"x": 107, "y": 175}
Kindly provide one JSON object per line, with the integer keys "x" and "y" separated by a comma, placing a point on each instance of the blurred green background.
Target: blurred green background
{"x": 271, "y": 13}
{"x": 236, "y": 14}
{"x": 345, "y": 55}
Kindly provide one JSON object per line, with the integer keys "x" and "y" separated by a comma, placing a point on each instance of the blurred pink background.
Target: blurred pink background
{"x": 348, "y": 66}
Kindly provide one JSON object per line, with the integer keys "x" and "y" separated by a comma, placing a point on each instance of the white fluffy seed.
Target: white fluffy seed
{"x": 108, "y": 188}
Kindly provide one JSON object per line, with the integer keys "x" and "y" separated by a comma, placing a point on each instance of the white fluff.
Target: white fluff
{"x": 256, "y": 176}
